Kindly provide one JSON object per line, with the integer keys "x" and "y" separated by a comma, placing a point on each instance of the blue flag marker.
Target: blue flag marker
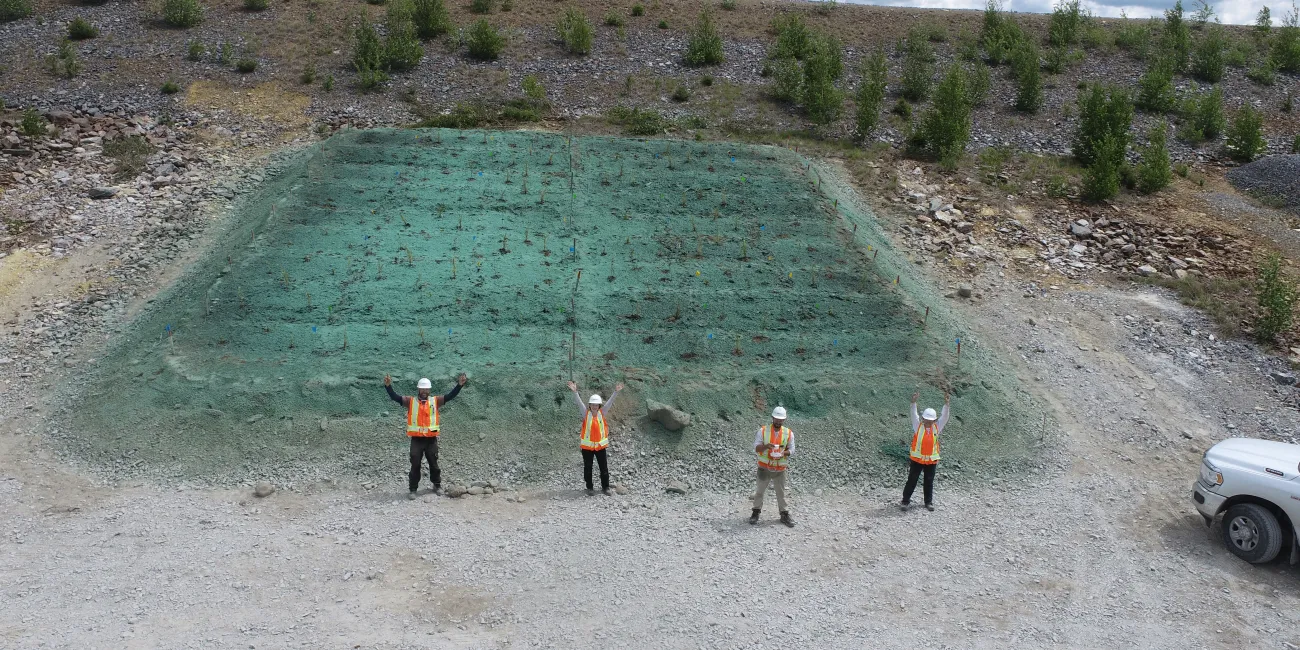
{"x": 710, "y": 337}
{"x": 313, "y": 329}
{"x": 480, "y": 173}
{"x": 367, "y": 237}
{"x": 169, "y": 329}
{"x": 733, "y": 159}
{"x": 474, "y": 238}
{"x": 762, "y": 227}
{"x": 835, "y": 342}
{"x": 448, "y": 331}
{"x": 570, "y": 249}
{"x": 958, "y": 341}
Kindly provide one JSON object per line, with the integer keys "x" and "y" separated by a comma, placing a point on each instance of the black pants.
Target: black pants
{"x": 424, "y": 447}
{"x": 912, "y": 474}
{"x": 587, "y": 455}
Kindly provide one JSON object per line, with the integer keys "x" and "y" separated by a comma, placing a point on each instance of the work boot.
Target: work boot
{"x": 930, "y": 507}
{"x": 785, "y": 519}
{"x": 905, "y": 505}
{"x": 591, "y": 492}
{"x": 605, "y": 491}
{"x": 753, "y": 517}
{"x": 437, "y": 489}
{"x": 411, "y": 495}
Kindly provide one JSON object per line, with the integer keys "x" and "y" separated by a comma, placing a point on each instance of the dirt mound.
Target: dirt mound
{"x": 1271, "y": 177}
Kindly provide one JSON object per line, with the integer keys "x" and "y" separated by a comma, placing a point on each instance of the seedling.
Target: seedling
{"x": 699, "y": 249}
{"x": 292, "y": 344}
{"x": 240, "y": 294}
{"x": 541, "y": 200}
{"x": 453, "y": 268}
{"x": 684, "y": 203}
{"x": 385, "y": 327}
{"x": 207, "y": 302}
{"x": 620, "y": 169}
{"x": 724, "y": 197}
{"x": 404, "y": 221}
{"x": 611, "y": 270}
{"x": 744, "y": 253}
{"x": 737, "y": 352}
{"x": 551, "y": 159}
{"x": 546, "y": 252}
{"x": 345, "y": 337}
{"x": 410, "y": 259}
{"x": 525, "y": 186}
{"x": 460, "y": 222}
{"x": 309, "y": 301}
{"x": 379, "y": 273}
{"x": 504, "y": 250}
{"x": 441, "y": 209}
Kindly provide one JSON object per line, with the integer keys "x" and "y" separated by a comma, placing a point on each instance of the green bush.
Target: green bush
{"x": 308, "y": 76}
{"x": 80, "y": 29}
{"x": 1203, "y": 115}
{"x": 256, "y": 5}
{"x": 1263, "y": 23}
{"x": 65, "y": 62}
{"x": 728, "y": 5}
{"x": 1264, "y": 72}
{"x": 1210, "y": 60}
{"x": 706, "y": 80}
{"x": 978, "y": 83}
{"x": 791, "y": 36}
{"x": 663, "y": 24}
{"x": 1176, "y": 38}
{"x": 1277, "y": 299}
{"x": 227, "y": 54}
{"x": 481, "y": 6}
{"x": 638, "y": 10}
{"x": 787, "y": 80}
{"x": 945, "y": 127}
{"x": 1105, "y": 113}
{"x": 918, "y": 67}
{"x": 430, "y": 18}
{"x": 521, "y": 110}
{"x": 462, "y": 116}
{"x": 968, "y": 46}
{"x": 822, "y": 67}
{"x": 195, "y": 51}
{"x": 1066, "y": 24}
{"x": 1246, "y": 135}
{"x": 1204, "y": 13}
{"x": 32, "y": 124}
{"x": 1295, "y": 144}
{"x": 367, "y": 49}
{"x": 533, "y": 88}
{"x": 615, "y": 19}
{"x": 182, "y": 13}
{"x": 1239, "y": 54}
{"x": 1101, "y": 178}
{"x": 1002, "y": 36}
{"x": 484, "y": 41}
{"x": 636, "y": 121}
{"x": 1133, "y": 36}
{"x": 246, "y": 65}
{"x": 402, "y": 49}
{"x": 1156, "y": 87}
{"x": 574, "y": 31}
{"x": 705, "y": 44}
{"x": 1286, "y": 43}
{"x": 328, "y": 84}
{"x": 902, "y": 109}
{"x": 681, "y": 93}
{"x": 1058, "y": 57}
{"x": 870, "y": 97}
{"x": 1153, "y": 171}
{"x": 11, "y": 10}
{"x": 1029, "y": 82}
{"x": 170, "y": 87}
{"x": 932, "y": 31}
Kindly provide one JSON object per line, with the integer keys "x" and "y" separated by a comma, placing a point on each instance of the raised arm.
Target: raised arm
{"x": 609, "y": 403}
{"x": 388, "y": 386}
{"x": 455, "y": 390}
{"x": 943, "y": 416}
{"x": 916, "y": 417}
{"x": 582, "y": 406}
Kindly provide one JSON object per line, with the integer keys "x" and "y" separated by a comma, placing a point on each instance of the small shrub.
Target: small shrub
{"x": 1277, "y": 299}
{"x": 1156, "y": 87}
{"x": 1203, "y": 116}
{"x": 370, "y": 79}
{"x": 481, "y": 6}
{"x": 430, "y": 18}
{"x": 870, "y": 97}
{"x": 728, "y": 5}
{"x": 170, "y": 87}
{"x": 706, "y": 80}
{"x": 637, "y": 121}
{"x": 918, "y": 68}
{"x": 614, "y": 19}
{"x": 1287, "y": 102}
{"x": 1058, "y": 57}
{"x": 1181, "y": 169}
{"x": 1209, "y": 60}
{"x": 575, "y": 31}
{"x": 80, "y": 29}
{"x": 195, "y": 51}
{"x": 533, "y": 88}
{"x": 65, "y": 62}
{"x": 1246, "y": 135}
{"x": 1153, "y": 172}
{"x": 1133, "y": 36}
{"x": 129, "y": 154}
{"x": 823, "y": 64}
{"x": 978, "y": 83}
{"x": 182, "y": 13}
{"x": 1001, "y": 35}
{"x": 787, "y": 80}
{"x": 308, "y": 76}
{"x": 1286, "y": 43}
{"x": 1239, "y": 54}
{"x": 484, "y": 41}
{"x": 945, "y": 127}
{"x": 32, "y": 124}
{"x": 933, "y": 32}
{"x": 1264, "y": 72}
{"x": 681, "y": 93}
{"x": 328, "y": 84}
{"x": 226, "y": 55}
{"x": 246, "y": 65}
{"x": 791, "y": 36}
{"x": 705, "y": 44}
{"x": 1029, "y": 82}
{"x": 521, "y": 110}
{"x": 638, "y": 10}
{"x": 11, "y": 10}
{"x": 367, "y": 49}
{"x": 663, "y": 24}
{"x": 1295, "y": 144}
{"x": 1066, "y": 24}
{"x": 256, "y": 5}
{"x": 1104, "y": 113}
{"x": 1263, "y": 23}
{"x": 1101, "y": 179}
{"x": 1176, "y": 38}
{"x": 968, "y": 46}
{"x": 1057, "y": 186}
{"x": 402, "y": 49}
{"x": 902, "y": 109}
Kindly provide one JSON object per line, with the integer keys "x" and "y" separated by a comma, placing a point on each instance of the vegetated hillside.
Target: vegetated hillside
{"x": 793, "y": 73}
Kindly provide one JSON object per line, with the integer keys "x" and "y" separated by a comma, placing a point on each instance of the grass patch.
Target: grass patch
{"x": 128, "y": 155}
{"x": 1226, "y": 301}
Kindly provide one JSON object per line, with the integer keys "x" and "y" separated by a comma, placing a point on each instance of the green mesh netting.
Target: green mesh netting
{"x": 717, "y": 277}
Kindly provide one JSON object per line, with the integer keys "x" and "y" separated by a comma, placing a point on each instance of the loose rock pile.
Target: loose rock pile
{"x": 1274, "y": 176}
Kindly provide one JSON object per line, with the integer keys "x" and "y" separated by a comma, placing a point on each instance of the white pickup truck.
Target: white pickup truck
{"x": 1255, "y": 485}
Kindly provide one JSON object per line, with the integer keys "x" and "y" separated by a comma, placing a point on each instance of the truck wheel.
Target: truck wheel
{"x": 1252, "y": 533}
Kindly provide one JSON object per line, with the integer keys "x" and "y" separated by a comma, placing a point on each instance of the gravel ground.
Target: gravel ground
{"x": 1094, "y": 545}
{"x": 1273, "y": 176}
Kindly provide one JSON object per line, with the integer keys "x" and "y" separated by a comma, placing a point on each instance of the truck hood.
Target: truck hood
{"x": 1257, "y": 456}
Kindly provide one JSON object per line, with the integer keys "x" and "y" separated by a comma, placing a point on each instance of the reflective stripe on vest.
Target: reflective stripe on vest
{"x": 925, "y": 444}
{"x": 594, "y": 434}
{"x": 780, "y": 438}
{"x": 422, "y": 418}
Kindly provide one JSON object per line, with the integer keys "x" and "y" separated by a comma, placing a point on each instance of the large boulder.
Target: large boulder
{"x": 667, "y": 416}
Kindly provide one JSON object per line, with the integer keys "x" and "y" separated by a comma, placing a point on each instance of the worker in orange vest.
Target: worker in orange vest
{"x": 924, "y": 452}
{"x": 774, "y": 445}
{"x": 423, "y": 426}
{"x": 595, "y": 435}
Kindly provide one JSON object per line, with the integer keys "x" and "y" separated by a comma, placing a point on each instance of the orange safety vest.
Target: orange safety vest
{"x": 595, "y": 435}
{"x": 780, "y": 438}
{"x": 925, "y": 444}
{"x": 422, "y": 418}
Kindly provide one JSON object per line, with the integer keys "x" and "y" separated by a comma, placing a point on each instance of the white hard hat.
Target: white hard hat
{"x": 595, "y": 399}
{"x": 929, "y": 414}
{"x": 424, "y": 383}
{"x": 778, "y": 413}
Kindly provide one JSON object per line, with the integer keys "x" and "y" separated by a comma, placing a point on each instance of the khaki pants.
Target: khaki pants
{"x": 778, "y": 482}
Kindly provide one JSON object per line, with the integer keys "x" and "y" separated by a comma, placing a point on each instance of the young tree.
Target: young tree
{"x": 1176, "y": 40}
{"x": 1102, "y": 177}
{"x": 705, "y": 46}
{"x": 574, "y": 30}
{"x": 1286, "y": 43}
{"x": 871, "y": 94}
{"x": 1153, "y": 171}
{"x": 1246, "y": 135}
{"x": 918, "y": 67}
{"x": 945, "y": 127}
{"x": 1104, "y": 112}
{"x": 1277, "y": 299}
{"x": 402, "y": 49}
{"x": 1156, "y": 87}
{"x": 822, "y": 66}
{"x": 1203, "y": 115}
{"x": 1029, "y": 81}
{"x": 1209, "y": 60}
{"x": 1065, "y": 25}
{"x": 1263, "y": 23}
{"x": 431, "y": 18}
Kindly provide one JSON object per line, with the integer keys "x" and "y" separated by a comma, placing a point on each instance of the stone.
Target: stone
{"x": 1128, "y": 249}
{"x": 254, "y": 419}
{"x": 1180, "y": 274}
{"x": 1081, "y": 228}
{"x": 621, "y": 489}
{"x": 965, "y": 290}
{"x": 324, "y": 423}
{"x": 667, "y": 416}
{"x": 102, "y": 192}
{"x": 1283, "y": 378}
{"x": 1146, "y": 270}
{"x": 675, "y": 487}
{"x": 964, "y": 227}
{"x": 263, "y": 489}
{"x": 475, "y": 490}
{"x": 455, "y": 491}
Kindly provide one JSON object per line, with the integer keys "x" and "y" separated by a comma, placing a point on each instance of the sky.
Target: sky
{"x": 1236, "y": 12}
